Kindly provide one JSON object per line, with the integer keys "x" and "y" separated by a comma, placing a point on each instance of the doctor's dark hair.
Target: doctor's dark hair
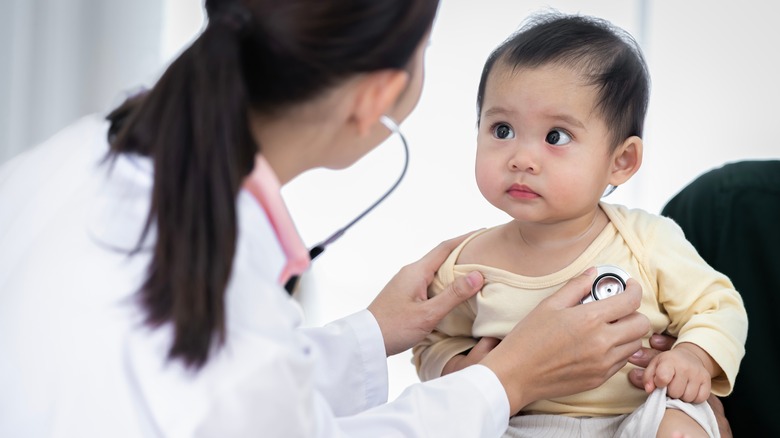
{"x": 606, "y": 56}
{"x": 259, "y": 55}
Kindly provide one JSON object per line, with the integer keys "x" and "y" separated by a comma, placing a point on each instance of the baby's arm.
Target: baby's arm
{"x": 701, "y": 303}
{"x": 434, "y": 353}
{"x": 686, "y": 371}
{"x": 470, "y": 357}
{"x": 451, "y": 337}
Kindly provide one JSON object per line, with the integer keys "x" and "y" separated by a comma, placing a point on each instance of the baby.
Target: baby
{"x": 561, "y": 108}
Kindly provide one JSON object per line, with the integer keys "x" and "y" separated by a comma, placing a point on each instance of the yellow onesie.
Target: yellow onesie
{"x": 682, "y": 296}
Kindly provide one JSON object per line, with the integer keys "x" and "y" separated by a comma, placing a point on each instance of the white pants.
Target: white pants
{"x": 642, "y": 423}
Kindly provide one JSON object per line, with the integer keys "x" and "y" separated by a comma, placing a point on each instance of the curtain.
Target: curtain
{"x": 62, "y": 59}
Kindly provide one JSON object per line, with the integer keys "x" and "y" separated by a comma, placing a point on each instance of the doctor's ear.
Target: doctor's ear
{"x": 377, "y": 93}
{"x": 626, "y": 160}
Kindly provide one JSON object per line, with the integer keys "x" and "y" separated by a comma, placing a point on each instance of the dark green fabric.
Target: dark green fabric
{"x": 732, "y": 216}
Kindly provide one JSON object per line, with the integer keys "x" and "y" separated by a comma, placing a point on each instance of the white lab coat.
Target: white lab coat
{"x": 76, "y": 359}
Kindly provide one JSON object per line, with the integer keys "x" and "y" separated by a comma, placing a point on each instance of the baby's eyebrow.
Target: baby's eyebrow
{"x": 497, "y": 110}
{"x": 568, "y": 119}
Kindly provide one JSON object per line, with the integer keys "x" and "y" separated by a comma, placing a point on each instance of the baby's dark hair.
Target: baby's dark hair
{"x": 608, "y": 58}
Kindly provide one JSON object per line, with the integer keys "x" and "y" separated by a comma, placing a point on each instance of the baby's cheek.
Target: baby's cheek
{"x": 487, "y": 182}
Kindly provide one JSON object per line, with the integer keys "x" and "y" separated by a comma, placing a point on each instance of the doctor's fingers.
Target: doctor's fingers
{"x": 629, "y": 331}
{"x": 619, "y": 306}
{"x": 662, "y": 342}
{"x": 460, "y": 290}
{"x": 621, "y": 339}
{"x": 605, "y": 334}
{"x": 572, "y": 292}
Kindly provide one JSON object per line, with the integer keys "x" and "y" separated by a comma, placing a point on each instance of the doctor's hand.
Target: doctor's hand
{"x": 562, "y": 347}
{"x": 403, "y": 310}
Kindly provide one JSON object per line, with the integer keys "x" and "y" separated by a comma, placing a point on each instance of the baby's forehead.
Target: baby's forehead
{"x": 576, "y": 71}
{"x": 554, "y": 80}
{"x": 548, "y": 94}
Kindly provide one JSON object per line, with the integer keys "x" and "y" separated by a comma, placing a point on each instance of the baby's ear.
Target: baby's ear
{"x": 626, "y": 160}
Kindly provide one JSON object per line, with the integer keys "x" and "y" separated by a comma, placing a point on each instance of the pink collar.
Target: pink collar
{"x": 264, "y": 186}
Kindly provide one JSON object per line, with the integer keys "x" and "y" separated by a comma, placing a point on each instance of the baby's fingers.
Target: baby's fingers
{"x": 692, "y": 393}
{"x": 682, "y": 388}
{"x": 664, "y": 374}
{"x": 648, "y": 376}
{"x": 703, "y": 392}
{"x": 696, "y": 387}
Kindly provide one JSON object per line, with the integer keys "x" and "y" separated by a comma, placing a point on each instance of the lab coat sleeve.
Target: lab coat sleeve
{"x": 469, "y": 403}
{"x": 276, "y": 387}
{"x": 269, "y": 380}
{"x": 352, "y": 371}
{"x": 351, "y": 377}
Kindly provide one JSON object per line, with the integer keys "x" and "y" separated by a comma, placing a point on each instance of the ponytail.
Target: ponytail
{"x": 194, "y": 125}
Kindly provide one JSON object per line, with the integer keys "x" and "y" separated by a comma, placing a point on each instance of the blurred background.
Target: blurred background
{"x": 714, "y": 99}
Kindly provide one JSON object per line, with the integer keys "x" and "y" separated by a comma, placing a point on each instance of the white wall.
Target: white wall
{"x": 715, "y": 90}
{"x": 713, "y": 100}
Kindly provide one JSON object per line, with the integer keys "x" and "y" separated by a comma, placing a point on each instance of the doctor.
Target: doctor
{"x": 143, "y": 256}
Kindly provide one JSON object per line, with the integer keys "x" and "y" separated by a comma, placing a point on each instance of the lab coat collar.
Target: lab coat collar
{"x": 264, "y": 186}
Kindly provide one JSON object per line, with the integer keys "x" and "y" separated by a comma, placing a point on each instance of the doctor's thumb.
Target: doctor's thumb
{"x": 458, "y": 291}
{"x": 574, "y": 291}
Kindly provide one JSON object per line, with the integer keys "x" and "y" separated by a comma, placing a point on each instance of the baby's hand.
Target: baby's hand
{"x": 682, "y": 370}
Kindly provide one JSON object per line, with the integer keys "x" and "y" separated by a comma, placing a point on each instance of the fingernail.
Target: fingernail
{"x": 590, "y": 271}
{"x": 474, "y": 278}
{"x": 637, "y": 354}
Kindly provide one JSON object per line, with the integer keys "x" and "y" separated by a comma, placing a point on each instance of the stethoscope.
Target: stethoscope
{"x": 319, "y": 248}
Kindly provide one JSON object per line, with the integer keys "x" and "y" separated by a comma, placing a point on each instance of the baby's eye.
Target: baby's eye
{"x": 557, "y": 137}
{"x": 503, "y": 131}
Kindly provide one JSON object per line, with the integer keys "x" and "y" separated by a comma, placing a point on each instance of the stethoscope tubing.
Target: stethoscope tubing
{"x": 319, "y": 248}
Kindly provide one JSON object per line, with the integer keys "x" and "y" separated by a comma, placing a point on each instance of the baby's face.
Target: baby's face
{"x": 542, "y": 147}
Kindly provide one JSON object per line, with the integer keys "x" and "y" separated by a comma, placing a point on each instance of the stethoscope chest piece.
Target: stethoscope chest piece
{"x": 610, "y": 280}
